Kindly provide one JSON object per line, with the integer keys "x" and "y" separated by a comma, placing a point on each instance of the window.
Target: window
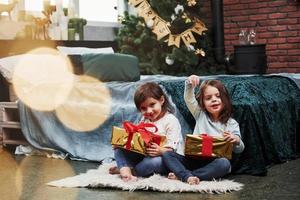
{"x": 38, "y": 5}
{"x": 4, "y": 1}
{"x": 91, "y": 10}
{"x": 101, "y": 11}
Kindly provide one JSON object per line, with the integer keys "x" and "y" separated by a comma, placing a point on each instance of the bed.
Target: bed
{"x": 266, "y": 107}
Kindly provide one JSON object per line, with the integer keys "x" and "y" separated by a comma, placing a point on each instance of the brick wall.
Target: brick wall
{"x": 277, "y": 24}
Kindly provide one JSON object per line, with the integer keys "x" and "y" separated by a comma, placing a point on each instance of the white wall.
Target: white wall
{"x": 100, "y": 31}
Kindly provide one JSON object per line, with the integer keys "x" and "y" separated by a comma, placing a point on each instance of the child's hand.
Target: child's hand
{"x": 231, "y": 138}
{"x": 153, "y": 150}
{"x": 194, "y": 80}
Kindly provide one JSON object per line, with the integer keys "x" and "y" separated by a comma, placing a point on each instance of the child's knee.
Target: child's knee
{"x": 153, "y": 161}
{"x": 224, "y": 164}
{"x": 118, "y": 151}
{"x": 168, "y": 154}
{"x": 148, "y": 166}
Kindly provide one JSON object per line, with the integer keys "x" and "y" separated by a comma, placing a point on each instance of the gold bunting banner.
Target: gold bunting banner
{"x": 161, "y": 29}
{"x": 174, "y": 40}
{"x": 188, "y": 37}
{"x": 148, "y": 14}
{"x": 135, "y": 2}
{"x": 143, "y": 6}
{"x": 199, "y": 28}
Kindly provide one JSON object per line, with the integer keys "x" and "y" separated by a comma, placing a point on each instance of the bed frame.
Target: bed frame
{"x": 16, "y": 47}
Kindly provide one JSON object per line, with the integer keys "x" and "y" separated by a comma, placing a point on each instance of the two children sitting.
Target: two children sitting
{"x": 211, "y": 107}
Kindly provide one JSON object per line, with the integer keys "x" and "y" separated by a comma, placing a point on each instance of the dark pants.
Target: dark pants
{"x": 143, "y": 165}
{"x": 205, "y": 168}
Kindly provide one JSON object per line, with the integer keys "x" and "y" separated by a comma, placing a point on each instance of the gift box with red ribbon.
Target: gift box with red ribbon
{"x": 136, "y": 137}
{"x": 207, "y": 146}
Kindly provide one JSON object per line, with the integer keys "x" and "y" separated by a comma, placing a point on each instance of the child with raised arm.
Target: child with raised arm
{"x": 154, "y": 105}
{"x": 211, "y": 108}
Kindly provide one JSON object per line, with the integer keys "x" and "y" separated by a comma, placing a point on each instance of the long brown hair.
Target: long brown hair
{"x": 227, "y": 108}
{"x": 151, "y": 90}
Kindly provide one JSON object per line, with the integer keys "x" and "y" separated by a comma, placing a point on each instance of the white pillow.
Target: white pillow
{"x": 7, "y": 66}
{"x": 83, "y": 50}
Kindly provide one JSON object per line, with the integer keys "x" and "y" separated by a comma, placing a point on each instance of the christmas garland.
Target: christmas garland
{"x": 160, "y": 27}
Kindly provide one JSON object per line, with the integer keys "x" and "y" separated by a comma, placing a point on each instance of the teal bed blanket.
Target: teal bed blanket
{"x": 266, "y": 107}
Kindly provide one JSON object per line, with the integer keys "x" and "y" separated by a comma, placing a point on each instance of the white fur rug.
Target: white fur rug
{"x": 101, "y": 178}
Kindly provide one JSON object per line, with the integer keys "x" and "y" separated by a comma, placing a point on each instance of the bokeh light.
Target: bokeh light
{"x": 43, "y": 79}
{"x": 87, "y": 106}
{"x": 34, "y": 172}
{"x": 9, "y": 185}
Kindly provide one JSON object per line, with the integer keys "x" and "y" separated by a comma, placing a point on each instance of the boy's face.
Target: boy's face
{"x": 212, "y": 101}
{"x": 152, "y": 108}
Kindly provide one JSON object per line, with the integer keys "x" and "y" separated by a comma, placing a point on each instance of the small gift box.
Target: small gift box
{"x": 136, "y": 138}
{"x": 207, "y": 146}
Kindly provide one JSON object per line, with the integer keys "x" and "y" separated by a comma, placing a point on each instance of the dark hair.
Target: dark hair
{"x": 151, "y": 90}
{"x": 227, "y": 109}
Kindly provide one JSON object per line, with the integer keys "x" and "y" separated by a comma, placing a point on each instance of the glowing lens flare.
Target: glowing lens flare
{"x": 87, "y": 106}
{"x": 32, "y": 175}
{"x": 10, "y": 188}
{"x": 43, "y": 79}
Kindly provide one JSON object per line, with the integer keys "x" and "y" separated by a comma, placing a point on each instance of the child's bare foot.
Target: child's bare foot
{"x": 172, "y": 176}
{"x": 193, "y": 180}
{"x": 126, "y": 174}
{"x": 114, "y": 170}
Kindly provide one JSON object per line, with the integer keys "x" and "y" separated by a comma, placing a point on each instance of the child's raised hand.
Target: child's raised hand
{"x": 231, "y": 138}
{"x": 194, "y": 80}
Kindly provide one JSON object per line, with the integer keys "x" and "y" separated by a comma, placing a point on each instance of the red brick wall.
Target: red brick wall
{"x": 277, "y": 25}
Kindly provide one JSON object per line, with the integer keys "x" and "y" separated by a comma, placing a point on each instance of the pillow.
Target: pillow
{"x": 76, "y": 63}
{"x": 111, "y": 67}
{"x": 83, "y": 50}
{"x": 7, "y": 66}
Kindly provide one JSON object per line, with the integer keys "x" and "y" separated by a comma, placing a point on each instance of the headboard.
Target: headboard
{"x": 15, "y": 47}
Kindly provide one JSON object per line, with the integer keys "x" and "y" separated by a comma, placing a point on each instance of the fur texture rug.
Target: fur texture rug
{"x": 100, "y": 178}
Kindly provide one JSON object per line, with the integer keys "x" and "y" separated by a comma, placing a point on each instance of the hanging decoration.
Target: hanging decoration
{"x": 169, "y": 60}
{"x": 200, "y": 52}
{"x": 191, "y": 2}
{"x": 161, "y": 27}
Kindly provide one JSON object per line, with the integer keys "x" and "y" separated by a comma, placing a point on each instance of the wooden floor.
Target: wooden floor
{"x": 25, "y": 177}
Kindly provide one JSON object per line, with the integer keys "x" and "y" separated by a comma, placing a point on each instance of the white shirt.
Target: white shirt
{"x": 169, "y": 126}
{"x": 205, "y": 125}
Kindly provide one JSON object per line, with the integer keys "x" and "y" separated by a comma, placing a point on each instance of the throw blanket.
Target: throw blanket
{"x": 100, "y": 177}
{"x": 45, "y": 131}
{"x": 266, "y": 107}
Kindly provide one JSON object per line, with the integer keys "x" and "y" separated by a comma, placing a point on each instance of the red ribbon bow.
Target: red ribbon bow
{"x": 147, "y": 135}
{"x": 207, "y": 145}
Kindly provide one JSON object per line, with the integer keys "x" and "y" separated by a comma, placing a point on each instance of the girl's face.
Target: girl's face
{"x": 152, "y": 108}
{"x": 212, "y": 101}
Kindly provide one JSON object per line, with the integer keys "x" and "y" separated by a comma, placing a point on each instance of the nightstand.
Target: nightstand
{"x": 10, "y": 128}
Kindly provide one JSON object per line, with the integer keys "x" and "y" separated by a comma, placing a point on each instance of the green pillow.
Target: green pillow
{"x": 111, "y": 67}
